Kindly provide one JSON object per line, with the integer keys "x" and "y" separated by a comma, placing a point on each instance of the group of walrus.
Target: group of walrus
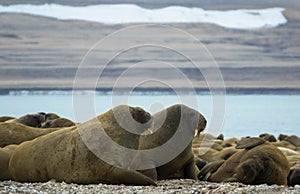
{"x": 43, "y": 146}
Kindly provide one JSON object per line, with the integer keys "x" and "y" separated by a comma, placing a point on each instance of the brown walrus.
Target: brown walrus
{"x": 294, "y": 175}
{"x": 268, "y": 137}
{"x": 260, "y": 162}
{"x": 293, "y": 139}
{"x": 31, "y": 120}
{"x": 6, "y": 118}
{"x": 210, "y": 155}
{"x": 5, "y": 154}
{"x": 285, "y": 144}
{"x": 15, "y": 133}
{"x": 64, "y": 156}
{"x": 51, "y": 116}
{"x": 58, "y": 123}
{"x": 174, "y": 118}
{"x": 229, "y": 142}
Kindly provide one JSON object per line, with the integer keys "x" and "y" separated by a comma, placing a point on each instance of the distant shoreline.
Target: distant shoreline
{"x": 151, "y": 91}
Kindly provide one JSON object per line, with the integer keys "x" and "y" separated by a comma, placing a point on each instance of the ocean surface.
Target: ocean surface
{"x": 131, "y": 13}
{"x": 245, "y": 115}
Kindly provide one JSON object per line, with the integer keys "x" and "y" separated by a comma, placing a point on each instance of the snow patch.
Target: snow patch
{"x": 130, "y": 13}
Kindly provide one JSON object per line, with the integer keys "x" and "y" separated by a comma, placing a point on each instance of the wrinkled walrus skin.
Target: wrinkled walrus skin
{"x": 262, "y": 164}
{"x": 183, "y": 165}
{"x": 63, "y": 156}
{"x": 5, "y": 154}
{"x": 15, "y": 133}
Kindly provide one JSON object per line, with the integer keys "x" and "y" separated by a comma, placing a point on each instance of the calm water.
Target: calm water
{"x": 245, "y": 114}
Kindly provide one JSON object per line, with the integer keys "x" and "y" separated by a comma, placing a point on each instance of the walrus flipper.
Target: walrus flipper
{"x": 248, "y": 143}
{"x": 231, "y": 179}
{"x": 128, "y": 177}
{"x": 191, "y": 171}
{"x": 208, "y": 169}
{"x": 151, "y": 173}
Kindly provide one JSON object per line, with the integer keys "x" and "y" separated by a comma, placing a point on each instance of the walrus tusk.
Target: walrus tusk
{"x": 196, "y": 132}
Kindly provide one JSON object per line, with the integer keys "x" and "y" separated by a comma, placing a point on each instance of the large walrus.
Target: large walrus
{"x": 31, "y": 120}
{"x": 64, "y": 156}
{"x": 15, "y": 133}
{"x": 58, "y": 123}
{"x": 259, "y": 163}
{"x": 175, "y": 119}
{"x": 5, "y": 154}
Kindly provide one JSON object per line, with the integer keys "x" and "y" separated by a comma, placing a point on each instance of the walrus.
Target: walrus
{"x": 58, "y": 123}
{"x": 293, "y": 139}
{"x": 259, "y": 162}
{"x": 268, "y": 137}
{"x": 293, "y": 158}
{"x": 220, "y": 137}
{"x": 229, "y": 142}
{"x": 291, "y": 155}
{"x": 207, "y": 143}
{"x": 288, "y": 152}
{"x": 31, "y": 120}
{"x": 282, "y": 137}
{"x": 6, "y": 118}
{"x": 51, "y": 116}
{"x": 206, "y": 154}
{"x": 285, "y": 144}
{"x": 176, "y": 117}
{"x": 211, "y": 155}
{"x": 199, "y": 162}
{"x": 5, "y": 154}
{"x": 208, "y": 169}
{"x": 64, "y": 156}
{"x": 294, "y": 176}
{"x": 15, "y": 133}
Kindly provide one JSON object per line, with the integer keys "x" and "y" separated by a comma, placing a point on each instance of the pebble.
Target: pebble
{"x": 166, "y": 186}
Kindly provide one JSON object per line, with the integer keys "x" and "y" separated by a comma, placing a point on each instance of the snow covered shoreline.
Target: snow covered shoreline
{"x": 131, "y": 13}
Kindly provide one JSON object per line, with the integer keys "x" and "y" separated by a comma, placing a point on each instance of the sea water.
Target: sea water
{"x": 245, "y": 115}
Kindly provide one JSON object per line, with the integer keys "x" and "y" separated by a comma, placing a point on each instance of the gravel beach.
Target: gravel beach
{"x": 168, "y": 186}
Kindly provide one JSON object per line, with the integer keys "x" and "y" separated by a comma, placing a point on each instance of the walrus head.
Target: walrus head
{"x": 187, "y": 117}
{"x": 294, "y": 176}
{"x": 249, "y": 142}
{"x": 40, "y": 117}
{"x": 32, "y": 120}
{"x": 51, "y": 116}
{"x": 177, "y": 118}
{"x": 139, "y": 114}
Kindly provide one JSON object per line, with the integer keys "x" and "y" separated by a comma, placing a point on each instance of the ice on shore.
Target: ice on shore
{"x": 130, "y": 13}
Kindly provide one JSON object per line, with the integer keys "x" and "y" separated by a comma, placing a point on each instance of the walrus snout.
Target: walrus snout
{"x": 40, "y": 117}
{"x": 202, "y": 123}
{"x": 140, "y": 115}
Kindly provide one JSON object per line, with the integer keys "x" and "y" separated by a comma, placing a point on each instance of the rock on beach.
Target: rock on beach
{"x": 165, "y": 186}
